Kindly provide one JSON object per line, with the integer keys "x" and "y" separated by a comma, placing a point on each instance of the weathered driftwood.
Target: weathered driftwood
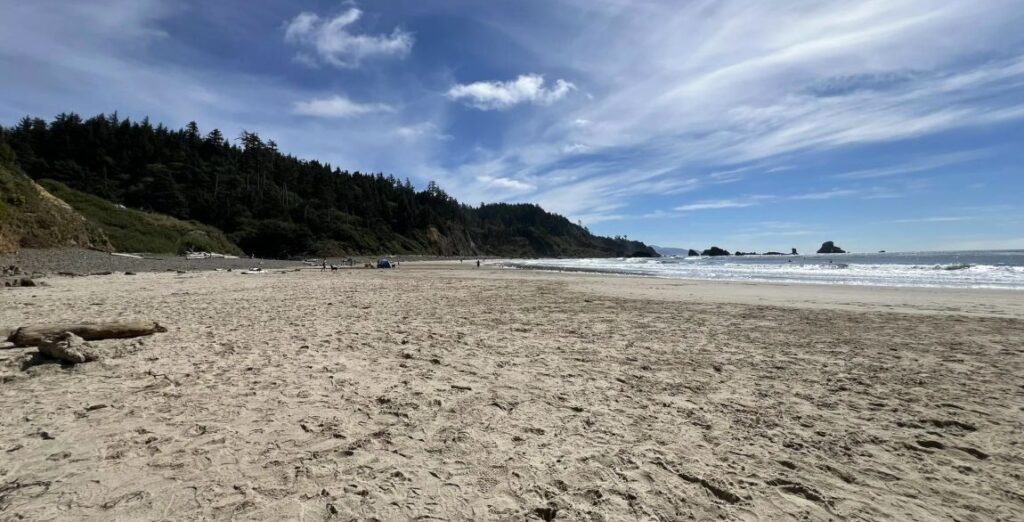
{"x": 34, "y": 335}
{"x": 68, "y": 348}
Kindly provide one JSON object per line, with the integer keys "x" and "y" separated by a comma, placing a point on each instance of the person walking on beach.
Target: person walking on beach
{"x": 478, "y": 263}
{"x": 323, "y": 265}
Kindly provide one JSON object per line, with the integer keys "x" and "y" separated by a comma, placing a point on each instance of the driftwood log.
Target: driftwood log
{"x": 35, "y": 335}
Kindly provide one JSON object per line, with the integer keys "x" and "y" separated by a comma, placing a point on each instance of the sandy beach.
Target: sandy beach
{"x": 438, "y": 391}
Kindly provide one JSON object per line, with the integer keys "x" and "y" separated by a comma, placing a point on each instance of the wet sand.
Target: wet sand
{"x": 439, "y": 391}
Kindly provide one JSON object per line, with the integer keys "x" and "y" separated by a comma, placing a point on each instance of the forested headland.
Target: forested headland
{"x": 272, "y": 204}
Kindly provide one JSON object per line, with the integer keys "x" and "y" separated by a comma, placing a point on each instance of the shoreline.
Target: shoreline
{"x": 979, "y": 270}
{"x": 750, "y": 281}
{"x": 83, "y": 262}
{"x": 993, "y": 302}
{"x": 981, "y": 302}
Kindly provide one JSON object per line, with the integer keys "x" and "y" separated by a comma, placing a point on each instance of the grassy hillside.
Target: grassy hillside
{"x": 131, "y": 230}
{"x": 32, "y": 218}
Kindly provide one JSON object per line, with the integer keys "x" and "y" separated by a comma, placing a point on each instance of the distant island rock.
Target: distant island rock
{"x": 715, "y": 251}
{"x": 829, "y": 247}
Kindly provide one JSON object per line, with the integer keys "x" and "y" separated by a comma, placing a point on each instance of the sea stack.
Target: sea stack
{"x": 829, "y": 247}
{"x": 715, "y": 251}
{"x": 693, "y": 253}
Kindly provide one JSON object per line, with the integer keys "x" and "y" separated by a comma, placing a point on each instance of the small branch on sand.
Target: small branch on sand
{"x": 153, "y": 374}
{"x": 35, "y": 335}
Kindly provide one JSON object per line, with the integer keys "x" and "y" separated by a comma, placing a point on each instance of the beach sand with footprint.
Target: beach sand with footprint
{"x": 484, "y": 395}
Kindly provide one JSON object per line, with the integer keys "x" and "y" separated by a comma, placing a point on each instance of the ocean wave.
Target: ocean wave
{"x": 958, "y": 266}
{"x": 810, "y": 269}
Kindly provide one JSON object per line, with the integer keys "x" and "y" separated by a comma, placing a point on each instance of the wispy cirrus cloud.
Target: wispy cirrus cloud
{"x": 575, "y": 148}
{"x": 738, "y": 83}
{"x": 337, "y": 106}
{"x": 917, "y": 165}
{"x": 497, "y": 95}
{"x": 714, "y": 204}
{"x": 828, "y": 194}
{"x": 669, "y": 105}
{"x": 932, "y": 219}
{"x": 755, "y": 200}
{"x": 505, "y": 183}
{"x": 422, "y": 130}
{"x": 330, "y": 40}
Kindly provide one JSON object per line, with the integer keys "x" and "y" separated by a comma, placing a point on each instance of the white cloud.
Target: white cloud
{"x": 697, "y": 87}
{"x": 711, "y": 204}
{"x": 337, "y": 107}
{"x": 830, "y": 194}
{"x": 729, "y": 176}
{"x": 505, "y": 183}
{"x": 723, "y": 83}
{"x": 580, "y": 194}
{"x": 422, "y": 130}
{"x": 331, "y": 41}
{"x": 527, "y": 88}
{"x": 575, "y": 148}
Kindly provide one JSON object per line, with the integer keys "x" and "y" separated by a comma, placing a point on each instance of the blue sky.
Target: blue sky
{"x": 895, "y": 124}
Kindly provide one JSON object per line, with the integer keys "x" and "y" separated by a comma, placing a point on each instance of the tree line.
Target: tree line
{"x": 275, "y": 205}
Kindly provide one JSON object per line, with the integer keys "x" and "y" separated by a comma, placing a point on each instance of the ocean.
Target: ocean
{"x": 999, "y": 269}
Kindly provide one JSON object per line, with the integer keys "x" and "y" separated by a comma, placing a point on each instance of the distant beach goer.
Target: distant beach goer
{"x": 478, "y": 263}
{"x": 323, "y": 265}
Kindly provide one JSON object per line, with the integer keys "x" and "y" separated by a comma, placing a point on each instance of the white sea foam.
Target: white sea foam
{"x": 1003, "y": 270}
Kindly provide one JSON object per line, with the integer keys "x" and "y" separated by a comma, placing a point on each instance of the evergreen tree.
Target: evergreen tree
{"x": 273, "y": 204}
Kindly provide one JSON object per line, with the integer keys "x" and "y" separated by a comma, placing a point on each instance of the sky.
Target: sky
{"x": 750, "y": 125}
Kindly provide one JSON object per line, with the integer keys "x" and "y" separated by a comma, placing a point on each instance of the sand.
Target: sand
{"x": 443, "y": 392}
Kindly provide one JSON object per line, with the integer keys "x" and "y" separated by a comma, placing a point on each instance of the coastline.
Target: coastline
{"x": 994, "y": 269}
{"x": 442, "y": 390}
{"x": 979, "y": 302}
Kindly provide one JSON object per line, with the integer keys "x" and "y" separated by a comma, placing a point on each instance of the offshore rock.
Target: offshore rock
{"x": 715, "y": 251}
{"x": 829, "y": 247}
